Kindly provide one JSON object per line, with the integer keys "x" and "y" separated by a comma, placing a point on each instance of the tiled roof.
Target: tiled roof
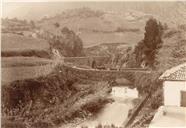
{"x": 175, "y": 73}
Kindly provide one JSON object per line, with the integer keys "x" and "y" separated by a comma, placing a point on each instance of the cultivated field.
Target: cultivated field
{"x": 10, "y": 74}
{"x": 23, "y": 61}
{"x": 14, "y": 42}
{"x": 19, "y": 45}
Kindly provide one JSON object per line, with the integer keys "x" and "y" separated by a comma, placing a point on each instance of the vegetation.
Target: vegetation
{"x": 14, "y": 24}
{"x": 147, "y": 49}
{"x": 57, "y": 25}
{"x": 67, "y": 43}
{"x": 50, "y": 99}
{"x": 23, "y": 61}
{"x": 119, "y": 29}
{"x": 17, "y": 45}
{"x": 34, "y": 94}
{"x": 96, "y": 27}
{"x": 180, "y": 50}
{"x": 10, "y": 74}
{"x": 104, "y": 126}
{"x": 166, "y": 55}
{"x": 27, "y": 53}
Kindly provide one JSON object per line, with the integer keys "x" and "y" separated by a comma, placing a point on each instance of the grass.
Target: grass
{"x": 166, "y": 56}
{"x": 94, "y": 30}
{"x": 18, "y": 45}
{"x": 94, "y": 38}
{"x": 23, "y": 61}
{"x": 10, "y": 74}
{"x": 27, "y": 53}
{"x": 19, "y": 68}
{"x": 14, "y": 42}
{"x": 57, "y": 98}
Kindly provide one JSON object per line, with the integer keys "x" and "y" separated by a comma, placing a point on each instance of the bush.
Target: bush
{"x": 68, "y": 43}
{"x": 27, "y": 53}
{"x": 157, "y": 99}
{"x": 170, "y": 33}
{"x": 180, "y": 49}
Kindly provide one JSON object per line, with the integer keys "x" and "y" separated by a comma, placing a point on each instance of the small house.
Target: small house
{"x": 172, "y": 113}
{"x": 174, "y": 86}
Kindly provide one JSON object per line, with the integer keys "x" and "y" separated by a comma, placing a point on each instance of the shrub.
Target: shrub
{"x": 157, "y": 99}
{"x": 180, "y": 49}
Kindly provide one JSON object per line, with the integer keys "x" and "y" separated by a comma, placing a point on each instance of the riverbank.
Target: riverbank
{"x": 113, "y": 113}
{"x": 50, "y": 101}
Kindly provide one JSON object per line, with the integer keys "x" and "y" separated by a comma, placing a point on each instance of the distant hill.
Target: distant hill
{"x": 16, "y": 25}
{"x": 97, "y": 27}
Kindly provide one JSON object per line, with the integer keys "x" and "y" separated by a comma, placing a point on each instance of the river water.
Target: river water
{"x": 115, "y": 112}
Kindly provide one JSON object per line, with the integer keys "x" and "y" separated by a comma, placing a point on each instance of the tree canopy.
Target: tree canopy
{"x": 68, "y": 43}
{"x": 147, "y": 49}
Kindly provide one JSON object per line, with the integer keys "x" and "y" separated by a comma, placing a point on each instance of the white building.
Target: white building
{"x": 174, "y": 86}
{"x": 173, "y": 113}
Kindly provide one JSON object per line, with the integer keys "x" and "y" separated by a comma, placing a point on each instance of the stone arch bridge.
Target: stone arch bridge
{"x": 105, "y": 75}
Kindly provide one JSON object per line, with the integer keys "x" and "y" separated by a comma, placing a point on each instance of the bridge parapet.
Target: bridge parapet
{"x": 103, "y": 75}
{"x": 87, "y": 61}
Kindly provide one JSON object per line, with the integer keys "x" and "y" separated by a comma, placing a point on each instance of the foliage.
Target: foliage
{"x": 32, "y": 24}
{"x": 180, "y": 50}
{"x": 50, "y": 100}
{"x": 147, "y": 82}
{"x": 17, "y": 45}
{"x": 23, "y": 61}
{"x": 157, "y": 99}
{"x": 170, "y": 33}
{"x": 182, "y": 27}
{"x": 147, "y": 49}
{"x": 131, "y": 61}
{"x": 57, "y": 25}
{"x": 67, "y": 43}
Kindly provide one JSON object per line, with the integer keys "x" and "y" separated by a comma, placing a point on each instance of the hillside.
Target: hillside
{"x": 14, "y": 42}
{"x": 173, "y": 51}
{"x": 96, "y": 27}
{"x": 106, "y": 49}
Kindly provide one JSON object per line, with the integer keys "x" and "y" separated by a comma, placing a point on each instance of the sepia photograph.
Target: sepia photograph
{"x": 93, "y": 64}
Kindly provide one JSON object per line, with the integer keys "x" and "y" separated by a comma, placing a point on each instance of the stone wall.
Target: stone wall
{"x": 103, "y": 75}
{"x": 87, "y": 61}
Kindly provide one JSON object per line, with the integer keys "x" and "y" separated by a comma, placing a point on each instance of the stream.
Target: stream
{"x": 115, "y": 112}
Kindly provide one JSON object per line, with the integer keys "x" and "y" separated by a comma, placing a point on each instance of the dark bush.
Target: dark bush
{"x": 27, "y": 53}
{"x": 180, "y": 49}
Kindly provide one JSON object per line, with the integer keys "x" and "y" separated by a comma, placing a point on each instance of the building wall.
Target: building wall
{"x": 172, "y": 92}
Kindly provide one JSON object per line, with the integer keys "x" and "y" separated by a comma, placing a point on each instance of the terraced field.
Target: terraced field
{"x": 10, "y": 74}
{"x": 23, "y": 61}
{"x": 19, "y": 68}
{"x": 19, "y": 45}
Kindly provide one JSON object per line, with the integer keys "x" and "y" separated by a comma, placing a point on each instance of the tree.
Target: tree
{"x": 147, "y": 49}
{"x": 68, "y": 43}
{"x": 57, "y": 25}
{"x": 32, "y": 23}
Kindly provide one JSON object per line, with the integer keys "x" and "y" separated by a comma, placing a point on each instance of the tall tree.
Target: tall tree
{"x": 147, "y": 49}
{"x": 68, "y": 43}
{"x": 57, "y": 25}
